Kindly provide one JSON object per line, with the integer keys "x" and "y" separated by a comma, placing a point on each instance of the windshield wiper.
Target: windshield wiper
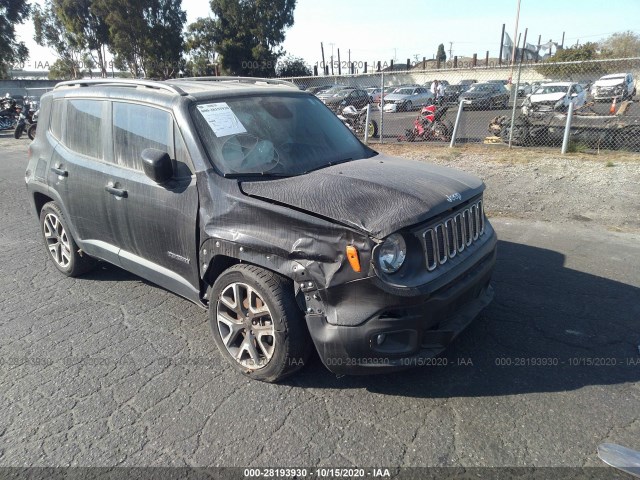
{"x": 255, "y": 174}
{"x": 330, "y": 164}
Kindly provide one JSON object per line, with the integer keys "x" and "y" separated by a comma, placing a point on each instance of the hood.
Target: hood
{"x": 378, "y": 195}
{"x": 547, "y": 97}
{"x": 334, "y": 100}
{"x": 395, "y": 96}
{"x": 609, "y": 82}
{"x": 473, "y": 95}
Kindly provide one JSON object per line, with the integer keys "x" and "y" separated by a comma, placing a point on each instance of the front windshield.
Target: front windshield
{"x": 480, "y": 87}
{"x": 277, "y": 135}
{"x": 552, "y": 89}
{"x": 334, "y": 90}
{"x": 390, "y": 89}
{"x": 404, "y": 91}
{"x": 342, "y": 93}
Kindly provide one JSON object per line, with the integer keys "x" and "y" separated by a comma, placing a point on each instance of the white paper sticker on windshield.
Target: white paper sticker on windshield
{"x": 221, "y": 119}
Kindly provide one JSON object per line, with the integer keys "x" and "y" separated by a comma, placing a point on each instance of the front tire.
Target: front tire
{"x": 18, "y": 131}
{"x": 373, "y": 129}
{"x": 32, "y": 132}
{"x": 408, "y": 106}
{"x": 257, "y": 324}
{"x": 60, "y": 244}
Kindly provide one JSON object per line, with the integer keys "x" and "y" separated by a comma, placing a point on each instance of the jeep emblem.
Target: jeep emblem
{"x": 453, "y": 197}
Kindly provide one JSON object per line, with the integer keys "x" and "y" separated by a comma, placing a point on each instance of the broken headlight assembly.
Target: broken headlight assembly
{"x": 392, "y": 253}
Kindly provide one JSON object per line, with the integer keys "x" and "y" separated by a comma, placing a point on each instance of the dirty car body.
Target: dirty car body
{"x": 252, "y": 184}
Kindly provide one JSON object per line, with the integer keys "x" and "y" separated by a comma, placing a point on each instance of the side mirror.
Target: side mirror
{"x": 157, "y": 165}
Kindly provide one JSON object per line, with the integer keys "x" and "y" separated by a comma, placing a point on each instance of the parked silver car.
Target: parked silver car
{"x": 407, "y": 98}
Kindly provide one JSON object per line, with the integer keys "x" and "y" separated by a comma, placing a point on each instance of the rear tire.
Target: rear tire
{"x": 373, "y": 128}
{"x": 257, "y": 323}
{"x": 32, "y": 132}
{"x": 520, "y": 134}
{"x": 60, "y": 244}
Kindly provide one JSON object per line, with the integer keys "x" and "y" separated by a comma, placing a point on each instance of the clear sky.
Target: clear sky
{"x": 384, "y": 29}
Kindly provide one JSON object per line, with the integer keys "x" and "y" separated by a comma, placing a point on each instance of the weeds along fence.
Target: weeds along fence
{"x": 571, "y": 105}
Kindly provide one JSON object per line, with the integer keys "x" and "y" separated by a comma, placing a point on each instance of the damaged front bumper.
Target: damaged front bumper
{"x": 389, "y": 332}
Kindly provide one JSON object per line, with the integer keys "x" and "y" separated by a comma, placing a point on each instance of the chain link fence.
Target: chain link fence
{"x": 573, "y": 105}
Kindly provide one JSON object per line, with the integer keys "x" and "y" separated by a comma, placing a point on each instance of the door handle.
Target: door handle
{"x": 118, "y": 192}
{"x": 59, "y": 171}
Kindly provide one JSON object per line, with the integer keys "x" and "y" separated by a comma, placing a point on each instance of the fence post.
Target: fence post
{"x": 366, "y": 124}
{"x": 382, "y": 107}
{"x": 455, "y": 126}
{"x": 567, "y": 129}
{"x": 514, "y": 94}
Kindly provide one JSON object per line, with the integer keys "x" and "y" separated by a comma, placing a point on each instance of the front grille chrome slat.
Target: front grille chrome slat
{"x": 452, "y": 236}
{"x": 430, "y": 249}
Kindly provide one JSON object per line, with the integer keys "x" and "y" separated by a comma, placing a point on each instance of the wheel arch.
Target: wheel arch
{"x": 39, "y": 201}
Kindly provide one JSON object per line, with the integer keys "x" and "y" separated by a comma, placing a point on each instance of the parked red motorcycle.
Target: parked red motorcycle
{"x": 430, "y": 125}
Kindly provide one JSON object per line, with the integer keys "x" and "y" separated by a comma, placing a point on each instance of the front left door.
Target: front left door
{"x": 161, "y": 220}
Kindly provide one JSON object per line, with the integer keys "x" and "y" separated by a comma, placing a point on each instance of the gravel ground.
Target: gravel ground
{"x": 543, "y": 185}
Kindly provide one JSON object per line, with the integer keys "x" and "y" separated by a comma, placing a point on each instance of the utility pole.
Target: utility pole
{"x": 324, "y": 65}
{"x": 450, "y": 50}
{"x": 501, "y": 45}
{"x": 515, "y": 35}
{"x": 332, "y": 44}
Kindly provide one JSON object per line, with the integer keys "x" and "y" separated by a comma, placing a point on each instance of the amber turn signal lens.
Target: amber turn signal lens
{"x": 352, "y": 255}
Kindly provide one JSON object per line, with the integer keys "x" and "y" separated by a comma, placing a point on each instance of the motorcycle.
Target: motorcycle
{"x": 31, "y": 132}
{"x": 429, "y": 125}
{"x": 25, "y": 121}
{"x": 9, "y": 113}
{"x": 9, "y": 117}
{"x": 356, "y": 121}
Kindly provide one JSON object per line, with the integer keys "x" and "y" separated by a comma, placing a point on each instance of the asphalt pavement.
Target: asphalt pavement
{"x": 109, "y": 369}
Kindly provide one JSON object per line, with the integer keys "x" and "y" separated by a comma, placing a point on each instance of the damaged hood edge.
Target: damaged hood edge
{"x": 377, "y": 196}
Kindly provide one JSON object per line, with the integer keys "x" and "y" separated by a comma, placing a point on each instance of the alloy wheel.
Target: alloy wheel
{"x": 245, "y": 325}
{"x": 57, "y": 240}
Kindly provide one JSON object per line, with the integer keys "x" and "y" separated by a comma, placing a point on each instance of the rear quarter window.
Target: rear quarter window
{"x": 55, "y": 126}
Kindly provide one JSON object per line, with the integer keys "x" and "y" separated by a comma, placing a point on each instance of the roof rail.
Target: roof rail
{"x": 123, "y": 83}
{"x": 273, "y": 81}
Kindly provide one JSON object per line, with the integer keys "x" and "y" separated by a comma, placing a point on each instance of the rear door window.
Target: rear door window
{"x": 83, "y": 133}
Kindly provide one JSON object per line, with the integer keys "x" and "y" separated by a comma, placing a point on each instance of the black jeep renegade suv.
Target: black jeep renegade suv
{"x": 250, "y": 198}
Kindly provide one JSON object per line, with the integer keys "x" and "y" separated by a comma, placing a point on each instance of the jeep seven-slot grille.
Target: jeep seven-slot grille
{"x": 453, "y": 235}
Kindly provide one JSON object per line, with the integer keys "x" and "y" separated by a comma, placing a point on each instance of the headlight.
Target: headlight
{"x": 392, "y": 253}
